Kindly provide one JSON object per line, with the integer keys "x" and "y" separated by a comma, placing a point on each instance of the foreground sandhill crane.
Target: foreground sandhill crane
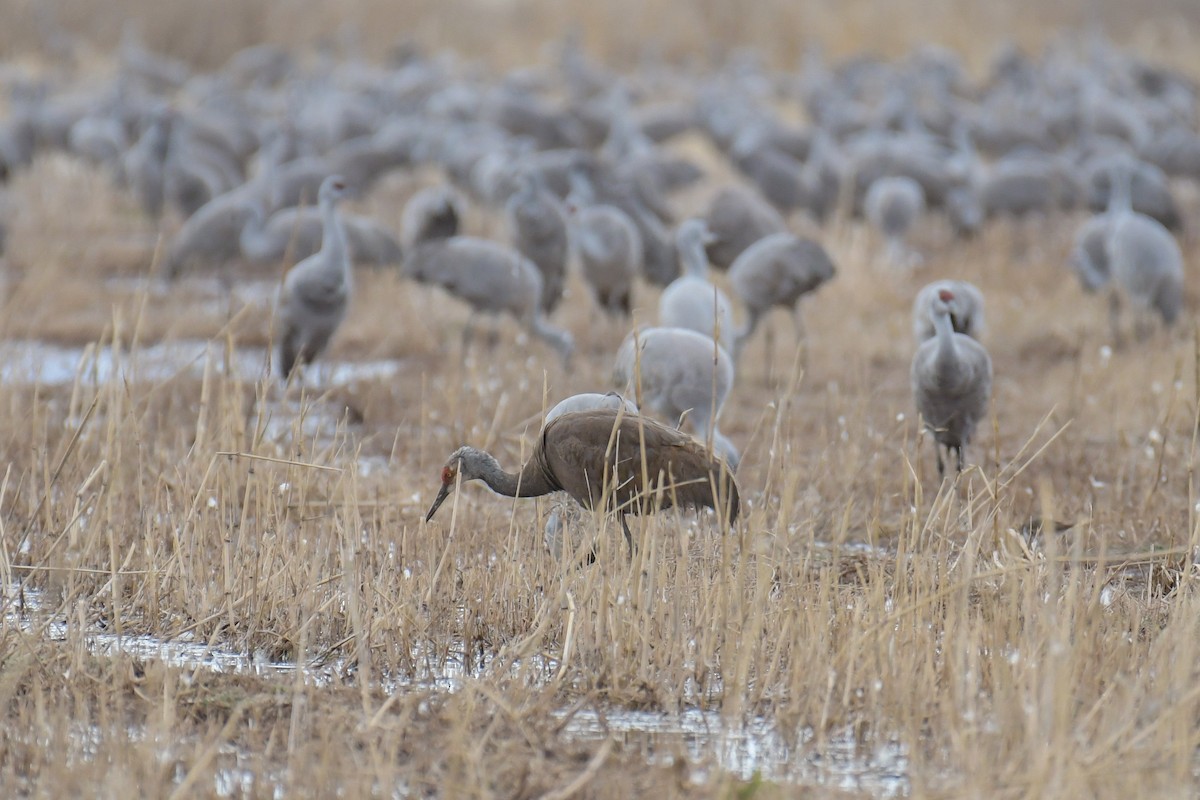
{"x": 691, "y": 301}
{"x": 738, "y": 218}
{"x": 966, "y": 309}
{"x": 490, "y": 277}
{"x": 606, "y": 458}
{"x": 589, "y": 401}
{"x": 893, "y": 205}
{"x": 951, "y": 379}
{"x": 680, "y": 375}
{"x": 539, "y": 231}
{"x": 316, "y": 291}
{"x": 568, "y": 511}
{"x": 777, "y": 271}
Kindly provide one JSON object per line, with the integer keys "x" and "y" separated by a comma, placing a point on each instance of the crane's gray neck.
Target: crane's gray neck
{"x": 160, "y": 138}
{"x": 947, "y": 355}
{"x": 692, "y": 256}
{"x": 252, "y": 240}
{"x": 587, "y": 240}
{"x": 531, "y": 481}
{"x": 333, "y": 233}
{"x": 582, "y": 192}
{"x": 1120, "y": 196}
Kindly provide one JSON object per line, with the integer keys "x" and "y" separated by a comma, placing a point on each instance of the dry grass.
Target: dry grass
{"x": 1065, "y": 669}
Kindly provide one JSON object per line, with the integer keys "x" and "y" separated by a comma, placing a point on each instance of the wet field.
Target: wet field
{"x": 216, "y": 584}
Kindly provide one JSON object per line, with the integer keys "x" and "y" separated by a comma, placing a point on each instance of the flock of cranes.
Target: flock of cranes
{"x": 576, "y": 160}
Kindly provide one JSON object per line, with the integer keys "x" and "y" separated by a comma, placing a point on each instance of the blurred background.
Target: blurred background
{"x": 511, "y": 32}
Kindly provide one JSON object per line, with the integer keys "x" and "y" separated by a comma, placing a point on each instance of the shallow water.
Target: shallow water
{"x": 744, "y": 748}
{"x": 752, "y": 747}
{"x": 41, "y": 363}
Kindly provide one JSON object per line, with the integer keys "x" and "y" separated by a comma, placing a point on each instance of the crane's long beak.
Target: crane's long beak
{"x": 442, "y": 494}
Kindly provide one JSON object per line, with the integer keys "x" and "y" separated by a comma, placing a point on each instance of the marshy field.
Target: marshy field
{"x": 215, "y": 585}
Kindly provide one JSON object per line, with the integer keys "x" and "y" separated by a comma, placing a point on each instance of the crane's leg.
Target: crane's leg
{"x": 1114, "y": 318}
{"x": 628, "y": 535}
{"x": 941, "y": 465}
{"x": 769, "y": 343}
{"x": 1143, "y": 325}
{"x": 959, "y": 451}
{"x": 493, "y": 331}
{"x": 801, "y": 335}
{"x": 468, "y": 334}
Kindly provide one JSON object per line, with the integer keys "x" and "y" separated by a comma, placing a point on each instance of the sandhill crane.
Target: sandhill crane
{"x": 1176, "y": 151}
{"x": 691, "y": 301}
{"x": 489, "y": 276}
{"x": 589, "y": 401}
{"x": 211, "y": 235}
{"x": 680, "y": 375}
{"x": 1149, "y": 189}
{"x": 608, "y": 246}
{"x": 617, "y": 185}
{"x": 1144, "y": 259}
{"x": 1089, "y": 255}
{"x": 564, "y": 511}
{"x": 966, "y": 309}
{"x": 539, "y": 231}
{"x": 609, "y": 459}
{"x": 951, "y": 379}
{"x": 142, "y": 164}
{"x": 893, "y": 205}
{"x": 316, "y": 291}
{"x": 738, "y": 218}
{"x": 298, "y": 231}
{"x": 777, "y": 271}
{"x": 1026, "y": 182}
{"x": 1131, "y": 253}
{"x": 433, "y": 213}
{"x": 776, "y": 174}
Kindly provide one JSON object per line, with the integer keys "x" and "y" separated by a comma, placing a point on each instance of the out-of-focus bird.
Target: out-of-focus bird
{"x": 608, "y": 246}
{"x": 951, "y": 382}
{"x": 894, "y": 204}
{"x": 738, "y": 218}
{"x": 1131, "y": 253}
{"x": 680, "y": 375}
{"x": 691, "y": 301}
{"x": 490, "y": 277}
{"x": 777, "y": 271}
{"x": 966, "y": 309}
{"x": 539, "y": 231}
{"x": 316, "y": 291}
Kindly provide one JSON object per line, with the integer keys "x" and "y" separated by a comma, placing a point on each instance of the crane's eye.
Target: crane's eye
{"x": 447, "y": 475}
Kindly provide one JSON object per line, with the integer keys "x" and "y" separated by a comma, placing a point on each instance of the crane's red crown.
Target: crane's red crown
{"x": 447, "y": 475}
{"x": 945, "y": 295}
